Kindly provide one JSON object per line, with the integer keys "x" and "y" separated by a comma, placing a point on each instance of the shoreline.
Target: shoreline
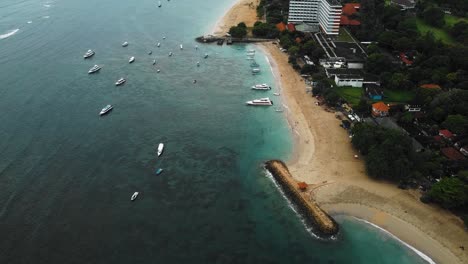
{"x": 323, "y": 157}
{"x": 364, "y": 197}
{"x": 239, "y": 11}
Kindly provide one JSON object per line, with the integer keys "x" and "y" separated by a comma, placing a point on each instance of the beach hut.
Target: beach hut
{"x": 302, "y": 186}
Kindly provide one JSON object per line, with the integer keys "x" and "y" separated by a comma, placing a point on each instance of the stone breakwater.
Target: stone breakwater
{"x": 324, "y": 224}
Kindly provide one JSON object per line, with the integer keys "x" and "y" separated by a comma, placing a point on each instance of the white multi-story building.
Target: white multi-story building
{"x": 303, "y": 11}
{"x": 325, "y": 13}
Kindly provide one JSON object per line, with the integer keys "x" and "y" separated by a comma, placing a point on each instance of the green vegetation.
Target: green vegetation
{"x": 265, "y": 30}
{"x": 238, "y": 31}
{"x": 344, "y": 36}
{"x": 388, "y": 152}
{"x": 451, "y": 20}
{"x": 398, "y": 96}
{"x": 438, "y": 33}
{"x": 351, "y": 94}
{"x": 450, "y": 193}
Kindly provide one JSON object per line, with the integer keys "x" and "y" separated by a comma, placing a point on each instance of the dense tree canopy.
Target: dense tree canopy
{"x": 450, "y": 193}
{"x": 238, "y": 31}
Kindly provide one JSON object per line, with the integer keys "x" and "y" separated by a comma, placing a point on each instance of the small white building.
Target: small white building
{"x": 352, "y": 80}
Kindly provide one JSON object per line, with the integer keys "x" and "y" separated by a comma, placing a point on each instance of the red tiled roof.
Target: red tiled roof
{"x": 345, "y": 21}
{"x": 404, "y": 59}
{"x": 291, "y": 27}
{"x": 445, "y": 133}
{"x": 452, "y": 154}
{"x": 298, "y": 40}
{"x": 351, "y": 8}
{"x": 381, "y": 107}
{"x": 281, "y": 26}
{"x": 430, "y": 86}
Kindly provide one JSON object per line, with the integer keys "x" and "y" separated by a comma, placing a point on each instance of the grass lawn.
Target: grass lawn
{"x": 395, "y": 96}
{"x": 350, "y": 94}
{"x": 452, "y": 20}
{"x": 344, "y": 36}
{"x": 438, "y": 33}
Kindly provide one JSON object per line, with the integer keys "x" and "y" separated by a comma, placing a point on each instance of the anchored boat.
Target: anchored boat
{"x": 105, "y": 110}
{"x": 160, "y": 149}
{"x": 94, "y": 69}
{"x": 120, "y": 82}
{"x": 260, "y": 102}
{"x": 263, "y": 86}
{"x": 134, "y": 196}
{"x": 89, "y": 54}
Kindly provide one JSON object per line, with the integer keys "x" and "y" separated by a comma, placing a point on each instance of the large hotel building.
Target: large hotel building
{"x": 325, "y": 13}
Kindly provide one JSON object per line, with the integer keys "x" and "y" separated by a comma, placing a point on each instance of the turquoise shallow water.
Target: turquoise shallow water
{"x": 66, "y": 175}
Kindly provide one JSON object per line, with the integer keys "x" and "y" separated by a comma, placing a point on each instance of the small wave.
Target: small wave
{"x": 422, "y": 255}
{"x": 47, "y": 6}
{"x": 29, "y": 22}
{"x": 9, "y": 33}
{"x": 46, "y": 17}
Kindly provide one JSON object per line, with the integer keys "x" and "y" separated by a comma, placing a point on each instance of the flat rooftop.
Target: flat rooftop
{"x": 350, "y": 51}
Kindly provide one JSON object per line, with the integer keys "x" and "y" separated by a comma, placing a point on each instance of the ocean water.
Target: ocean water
{"x": 66, "y": 174}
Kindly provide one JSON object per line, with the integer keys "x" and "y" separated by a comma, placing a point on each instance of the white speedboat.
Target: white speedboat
{"x": 260, "y": 102}
{"x": 196, "y": 47}
{"x": 198, "y": 64}
{"x": 170, "y": 54}
{"x": 154, "y": 62}
{"x": 94, "y": 69}
{"x": 120, "y": 82}
{"x": 164, "y": 37}
{"x": 277, "y": 94}
{"x": 159, "y": 44}
{"x": 206, "y": 55}
{"x": 125, "y": 44}
{"x": 159, "y": 4}
{"x": 150, "y": 52}
{"x": 89, "y": 54}
{"x": 132, "y": 59}
{"x": 134, "y": 196}
{"x": 181, "y": 47}
{"x": 160, "y": 149}
{"x": 158, "y": 70}
{"x": 105, "y": 110}
{"x": 263, "y": 86}
{"x": 255, "y": 70}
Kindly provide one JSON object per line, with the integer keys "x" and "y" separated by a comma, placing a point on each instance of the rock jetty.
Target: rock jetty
{"x": 324, "y": 224}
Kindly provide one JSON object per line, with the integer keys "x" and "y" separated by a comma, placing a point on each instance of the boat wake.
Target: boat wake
{"x": 9, "y": 33}
{"x": 422, "y": 255}
{"x": 293, "y": 207}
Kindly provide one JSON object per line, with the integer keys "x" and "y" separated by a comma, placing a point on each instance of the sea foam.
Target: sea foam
{"x": 9, "y": 33}
{"x": 422, "y": 255}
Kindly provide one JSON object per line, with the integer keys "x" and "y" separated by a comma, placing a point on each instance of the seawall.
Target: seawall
{"x": 324, "y": 224}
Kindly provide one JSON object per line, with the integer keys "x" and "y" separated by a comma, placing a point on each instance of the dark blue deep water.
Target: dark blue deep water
{"x": 66, "y": 174}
